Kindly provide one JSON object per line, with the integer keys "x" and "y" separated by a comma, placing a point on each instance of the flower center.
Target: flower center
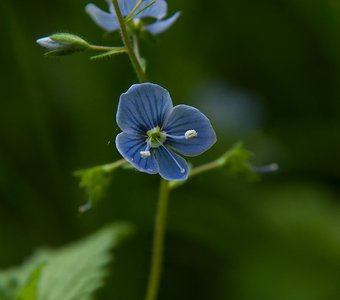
{"x": 156, "y": 137}
{"x": 135, "y": 25}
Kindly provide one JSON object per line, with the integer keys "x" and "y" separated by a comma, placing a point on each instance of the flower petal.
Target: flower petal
{"x": 161, "y": 26}
{"x": 111, "y": 7}
{"x": 103, "y": 19}
{"x": 156, "y": 10}
{"x": 129, "y": 147}
{"x": 143, "y": 107}
{"x": 171, "y": 165}
{"x": 184, "y": 118}
{"x": 126, "y": 6}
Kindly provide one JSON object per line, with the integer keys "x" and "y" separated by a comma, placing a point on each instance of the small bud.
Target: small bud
{"x": 145, "y": 154}
{"x": 189, "y": 134}
{"x": 63, "y": 44}
{"x": 49, "y": 44}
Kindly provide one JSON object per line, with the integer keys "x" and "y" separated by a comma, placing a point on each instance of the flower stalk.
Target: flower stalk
{"x": 126, "y": 40}
{"x": 160, "y": 223}
{"x": 158, "y": 242}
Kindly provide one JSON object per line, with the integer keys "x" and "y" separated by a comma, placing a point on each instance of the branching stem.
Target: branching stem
{"x": 126, "y": 40}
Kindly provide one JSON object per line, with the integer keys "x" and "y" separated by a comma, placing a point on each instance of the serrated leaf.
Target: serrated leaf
{"x": 12, "y": 280}
{"x": 73, "y": 272}
{"x": 30, "y": 290}
{"x": 76, "y": 271}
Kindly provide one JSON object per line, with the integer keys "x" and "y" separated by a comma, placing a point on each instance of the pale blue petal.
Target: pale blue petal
{"x": 129, "y": 147}
{"x": 126, "y": 6}
{"x": 111, "y": 7}
{"x": 171, "y": 165}
{"x": 183, "y": 118}
{"x": 157, "y": 10}
{"x": 143, "y": 107}
{"x": 163, "y": 25}
{"x": 105, "y": 20}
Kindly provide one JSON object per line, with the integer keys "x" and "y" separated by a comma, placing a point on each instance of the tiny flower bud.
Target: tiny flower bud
{"x": 63, "y": 44}
{"x": 71, "y": 40}
{"x": 189, "y": 134}
{"x": 49, "y": 44}
{"x": 145, "y": 154}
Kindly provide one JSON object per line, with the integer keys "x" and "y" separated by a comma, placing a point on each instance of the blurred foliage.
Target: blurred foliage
{"x": 236, "y": 162}
{"x": 228, "y": 239}
{"x": 96, "y": 180}
{"x": 72, "y": 272}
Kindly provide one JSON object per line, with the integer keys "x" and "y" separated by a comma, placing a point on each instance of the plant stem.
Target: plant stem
{"x": 158, "y": 242}
{"x": 105, "y": 48}
{"x": 136, "y": 48}
{"x": 215, "y": 164}
{"x": 160, "y": 223}
{"x": 114, "y": 165}
{"x": 125, "y": 37}
{"x": 206, "y": 167}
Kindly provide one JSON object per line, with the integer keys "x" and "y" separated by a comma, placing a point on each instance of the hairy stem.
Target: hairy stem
{"x": 158, "y": 242}
{"x": 106, "y": 48}
{"x": 125, "y": 37}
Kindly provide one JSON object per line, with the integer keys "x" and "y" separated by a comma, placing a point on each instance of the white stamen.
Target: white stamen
{"x": 136, "y": 21}
{"x": 189, "y": 134}
{"x": 145, "y": 154}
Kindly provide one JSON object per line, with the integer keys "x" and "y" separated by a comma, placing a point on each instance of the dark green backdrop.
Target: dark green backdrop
{"x": 265, "y": 71}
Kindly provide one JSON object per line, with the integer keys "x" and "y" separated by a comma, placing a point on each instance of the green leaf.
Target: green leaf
{"x": 73, "y": 272}
{"x": 76, "y": 271}
{"x": 13, "y": 280}
{"x": 30, "y": 290}
{"x": 96, "y": 180}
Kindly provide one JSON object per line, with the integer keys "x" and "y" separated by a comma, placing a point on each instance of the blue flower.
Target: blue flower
{"x": 158, "y": 10}
{"x": 153, "y": 129}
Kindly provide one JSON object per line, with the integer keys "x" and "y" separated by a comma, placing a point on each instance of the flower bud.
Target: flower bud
{"x": 49, "y": 44}
{"x": 63, "y": 44}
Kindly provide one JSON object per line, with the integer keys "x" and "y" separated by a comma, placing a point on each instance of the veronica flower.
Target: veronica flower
{"x": 157, "y": 10}
{"x": 153, "y": 129}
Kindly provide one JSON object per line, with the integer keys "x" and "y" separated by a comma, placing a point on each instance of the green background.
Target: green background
{"x": 266, "y": 72}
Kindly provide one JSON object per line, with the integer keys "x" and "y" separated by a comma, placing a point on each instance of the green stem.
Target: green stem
{"x": 105, "y": 48}
{"x": 125, "y": 37}
{"x": 136, "y": 48}
{"x": 218, "y": 163}
{"x": 159, "y": 231}
{"x": 114, "y": 165}
{"x": 158, "y": 242}
{"x": 204, "y": 168}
